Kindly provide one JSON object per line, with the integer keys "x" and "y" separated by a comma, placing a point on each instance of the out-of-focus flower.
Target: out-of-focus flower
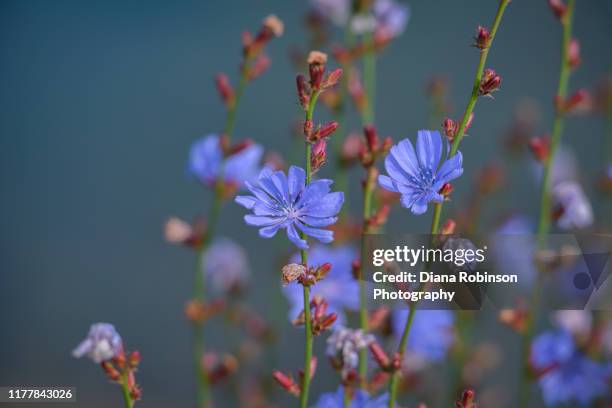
{"x": 225, "y": 265}
{"x": 513, "y": 248}
{"x": 431, "y": 334}
{"x": 573, "y": 53}
{"x": 343, "y": 347}
{"x": 285, "y": 201}
{"x": 207, "y": 162}
{"x": 576, "y": 322}
{"x": 361, "y": 399}
{"x": 337, "y": 11}
{"x": 467, "y": 399}
{"x": 566, "y": 375}
{"x": 574, "y": 209}
{"x": 339, "y": 288}
{"x": 391, "y": 17}
{"x": 101, "y": 344}
{"x": 419, "y": 175}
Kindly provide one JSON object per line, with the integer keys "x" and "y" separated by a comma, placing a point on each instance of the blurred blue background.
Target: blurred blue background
{"x": 100, "y": 101}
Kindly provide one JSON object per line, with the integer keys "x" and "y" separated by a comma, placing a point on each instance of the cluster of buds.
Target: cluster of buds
{"x": 178, "y": 231}
{"x": 489, "y": 83}
{"x": 467, "y": 399}
{"x": 373, "y": 148}
{"x": 198, "y": 312}
{"x": 319, "y": 155}
{"x": 121, "y": 368}
{"x": 482, "y": 38}
{"x": 451, "y": 127}
{"x": 540, "y": 148}
{"x": 579, "y": 101}
{"x": 303, "y": 275}
{"x": 217, "y": 368}
{"x": 287, "y": 382}
{"x": 387, "y": 364}
{"x": 319, "y": 318}
{"x": 318, "y": 81}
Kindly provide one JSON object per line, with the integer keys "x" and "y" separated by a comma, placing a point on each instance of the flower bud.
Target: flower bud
{"x": 489, "y": 82}
{"x": 380, "y": 356}
{"x": 333, "y": 78}
{"x": 323, "y": 270}
{"x": 446, "y": 190}
{"x": 322, "y": 131}
{"x": 467, "y": 399}
{"x": 515, "y": 319}
{"x": 286, "y": 383}
{"x": 540, "y": 147}
{"x": 448, "y": 228}
{"x": 302, "y": 90}
{"x": 261, "y": 65}
{"x": 319, "y": 155}
{"x": 558, "y": 8}
{"x": 482, "y": 38}
{"x": 274, "y": 24}
{"x": 110, "y": 371}
{"x": 225, "y": 89}
{"x": 316, "y": 68}
{"x": 134, "y": 359}
{"x": 573, "y": 53}
{"x": 450, "y": 128}
{"x": 371, "y": 137}
{"x": 292, "y": 272}
{"x": 177, "y": 231}
{"x": 350, "y": 149}
{"x": 579, "y": 100}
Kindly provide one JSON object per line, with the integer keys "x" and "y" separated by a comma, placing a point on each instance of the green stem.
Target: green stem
{"x": 199, "y": 292}
{"x": 304, "y": 389}
{"x": 545, "y": 214}
{"x": 127, "y": 398}
{"x": 369, "y": 79}
{"x": 557, "y": 130}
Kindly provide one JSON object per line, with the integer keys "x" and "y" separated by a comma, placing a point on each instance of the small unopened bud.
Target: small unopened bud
{"x": 238, "y": 147}
{"x": 134, "y": 359}
{"x": 386, "y": 145}
{"x": 261, "y": 65}
{"x": 111, "y": 372}
{"x": 449, "y": 227}
{"x": 225, "y": 89}
{"x": 515, "y": 319}
{"x": 450, "y": 128}
{"x": 467, "y": 399}
{"x": 573, "y": 53}
{"x": 380, "y": 217}
{"x": 350, "y": 149}
{"x": 319, "y": 155}
{"x": 540, "y": 147}
{"x": 323, "y": 270}
{"x": 558, "y": 8}
{"x": 579, "y": 100}
{"x": 333, "y": 78}
{"x": 292, "y": 272}
{"x": 274, "y": 24}
{"x": 177, "y": 231}
{"x": 380, "y": 356}
{"x": 302, "y": 90}
{"x": 316, "y": 68}
{"x": 322, "y": 131}
{"x": 286, "y": 383}
{"x": 446, "y": 190}
{"x": 371, "y": 137}
{"x": 489, "y": 82}
{"x": 482, "y": 38}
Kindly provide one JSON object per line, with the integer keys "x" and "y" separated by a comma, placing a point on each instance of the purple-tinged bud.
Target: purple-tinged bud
{"x": 489, "y": 82}
{"x": 573, "y": 53}
{"x": 558, "y": 8}
{"x": 286, "y": 382}
{"x": 302, "y": 90}
{"x": 316, "y": 68}
{"x": 540, "y": 147}
{"x": 468, "y": 124}
{"x": 292, "y": 272}
{"x": 386, "y": 145}
{"x": 482, "y": 38}
{"x": 225, "y": 89}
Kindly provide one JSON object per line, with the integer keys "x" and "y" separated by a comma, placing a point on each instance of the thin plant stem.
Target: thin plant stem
{"x": 369, "y": 79}
{"x": 545, "y": 214}
{"x": 199, "y": 290}
{"x": 437, "y": 215}
{"x": 304, "y": 389}
{"x": 127, "y": 398}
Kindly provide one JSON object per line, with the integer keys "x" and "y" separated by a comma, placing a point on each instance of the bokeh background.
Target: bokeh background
{"x": 100, "y": 101}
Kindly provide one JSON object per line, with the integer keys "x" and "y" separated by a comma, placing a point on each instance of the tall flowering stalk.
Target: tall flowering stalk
{"x": 486, "y": 81}
{"x": 224, "y": 166}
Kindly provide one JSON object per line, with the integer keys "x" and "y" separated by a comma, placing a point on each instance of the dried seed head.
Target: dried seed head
{"x": 274, "y": 24}
{"x": 292, "y": 272}
{"x": 317, "y": 57}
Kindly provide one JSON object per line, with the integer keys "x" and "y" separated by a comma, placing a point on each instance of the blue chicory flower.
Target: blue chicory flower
{"x": 568, "y": 375}
{"x": 339, "y": 288}
{"x": 280, "y": 201}
{"x": 344, "y": 344}
{"x": 576, "y": 210}
{"x": 337, "y": 11}
{"x": 419, "y": 175}
{"x": 391, "y": 17}
{"x": 361, "y": 399}
{"x": 206, "y": 162}
{"x": 101, "y": 344}
{"x": 431, "y": 333}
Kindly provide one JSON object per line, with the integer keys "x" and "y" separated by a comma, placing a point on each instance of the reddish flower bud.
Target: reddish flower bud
{"x": 468, "y": 124}
{"x": 489, "y": 82}
{"x": 110, "y": 371}
{"x": 274, "y": 24}
{"x": 261, "y": 65}
{"x": 333, "y": 78}
{"x": 573, "y": 53}
{"x": 356, "y": 267}
{"x": 482, "y": 38}
{"x": 323, "y": 270}
{"x": 286, "y": 383}
{"x": 378, "y": 318}
{"x": 371, "y": 137}
{"x": 446, "y": 190}
{"x": 380, "y": 356}
{"x": 302, "y": 90}
{"x": 579, "y": 100}
{"x": 515, "y": 319}
{"x": 319, "y": 155}
{"x": 316, "y": 68}
{"x": 225, "y": 89}
{"x": 386, "y": 145}
{"x": 238, "y": 147}
{"x": 322, "y": 131}
{"x": 448, "y": 228}
{"x": 308, "y": 126}
{"x": 467, "y": 399}
{"x": 350, "y": 149}
{"x": 313, "y": 368}
{"x": 134, "y": 359}
{"x": 450, "y": 128}
{"x": 380, "y": 217}
{"x": 540, "y": 147}
{"x": 558, "y": 8}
